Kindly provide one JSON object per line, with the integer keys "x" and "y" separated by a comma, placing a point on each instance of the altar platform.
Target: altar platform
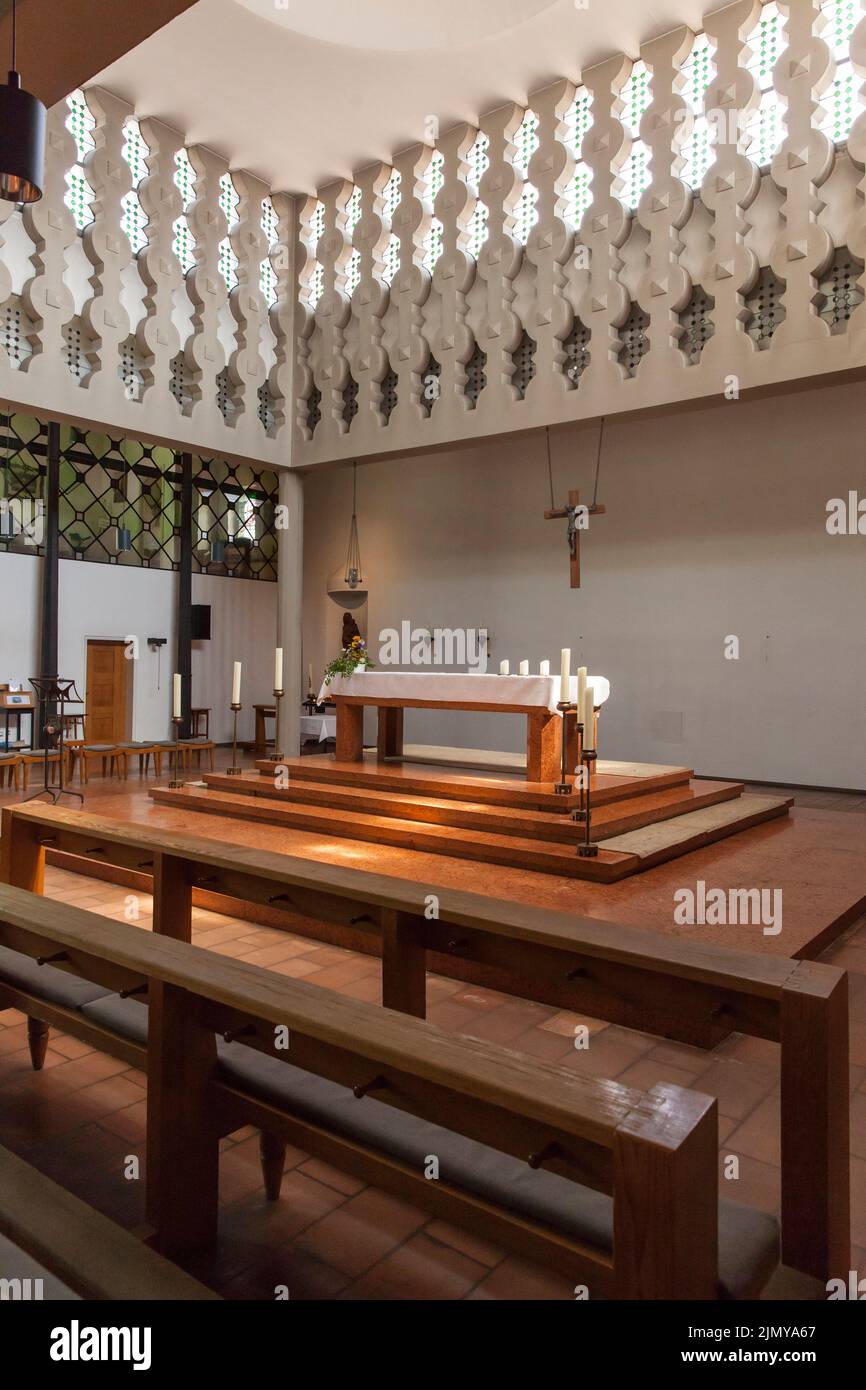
{"x": 643, "y": 814}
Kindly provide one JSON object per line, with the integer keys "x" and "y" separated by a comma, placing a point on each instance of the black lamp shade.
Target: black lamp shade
{"x": 22, "y": 143}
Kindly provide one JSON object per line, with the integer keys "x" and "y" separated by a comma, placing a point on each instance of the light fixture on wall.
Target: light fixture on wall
{"x": 22, "y": 136}
{"x": 353, "y": 575}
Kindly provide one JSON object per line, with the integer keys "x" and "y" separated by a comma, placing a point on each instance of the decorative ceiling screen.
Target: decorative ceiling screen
{"x": 267, "y": 275}
{"x": 135, "y": 152}
{"x": 392, "y": 250}
{"x": 765, "y": 128}
{"x": 578, "y": 122}
{"x": 317, "y": 231}
{"x": 433, "y": 245}
{"x": 79, "y": 194}
{"x": 183, "y": 243}
{"x": 635, "y": 97}
{"x": 227, "y": 260}
{"x": 697, "y": 74}
{"x": 842, "y": 102}
{"x": 526, "y": 212}
{"x": 353, "y": 217}
{"x": 479, "y": 162}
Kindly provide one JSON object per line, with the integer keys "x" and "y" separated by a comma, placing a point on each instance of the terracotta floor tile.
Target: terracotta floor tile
{"x": 362, "y": 1231}
{"x": 296, "y": 968}
{"x": 420, "y": 1269}
{"x": 756, "y": 1186}
{"x": 566, "y": 1023}
{"x": 646, "y": 1073}
{"x": 514, "y": 1279}
{"x": 737, "y": 1087}
{"x": 473, "y": 1247}
{"x": 759, "y": 1134}
{"x": 332, "y": 1177}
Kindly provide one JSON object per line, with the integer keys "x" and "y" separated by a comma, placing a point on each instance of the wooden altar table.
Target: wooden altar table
{"x": 390, "y": 692}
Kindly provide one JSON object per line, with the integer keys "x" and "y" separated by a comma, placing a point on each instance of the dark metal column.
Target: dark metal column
{"x": 50, "y": 566}
{"x": 184, "y": 593}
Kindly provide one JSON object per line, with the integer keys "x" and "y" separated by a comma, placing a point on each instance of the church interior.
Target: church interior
{"x": 432, "y": 664}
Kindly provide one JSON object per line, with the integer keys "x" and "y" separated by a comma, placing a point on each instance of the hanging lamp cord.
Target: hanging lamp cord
{"x": 14, "y": 36}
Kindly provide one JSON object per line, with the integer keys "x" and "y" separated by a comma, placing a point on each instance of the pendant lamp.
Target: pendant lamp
{"x": 22, "y": 136}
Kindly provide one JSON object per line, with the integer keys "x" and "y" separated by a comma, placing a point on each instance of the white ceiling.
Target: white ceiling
{"x": 303, "y": 91}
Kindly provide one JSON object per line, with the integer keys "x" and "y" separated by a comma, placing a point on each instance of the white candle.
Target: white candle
{"x": 524, "y": 668}
{"x": 310, "y": 686}
{"x": 176, "y": 709}
{"x": 503, "y": 668}
{"x": 236, "y": 684}
{"x": 565, "y": 675}
{"x": 588, "y": 721}
{"x": 278, "y": 669}
{"x": 581, "y": 687}
{"x": 544, "y": 668}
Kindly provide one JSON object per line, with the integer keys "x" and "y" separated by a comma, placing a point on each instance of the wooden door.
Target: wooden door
{"x": 106, "y": 696}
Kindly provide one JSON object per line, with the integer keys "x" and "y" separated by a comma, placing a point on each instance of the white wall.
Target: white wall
{"x": 715, "y": 526}
{"x": 243, "y": 628}
{"x": 20, "y": 609}
{"x": 120, "y": 601}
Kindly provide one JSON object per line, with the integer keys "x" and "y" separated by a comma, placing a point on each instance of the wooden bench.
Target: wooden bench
{"x": 685, "y": 990}
{"x": 615, "y": 1187}
{"x": 90, "y": 1255}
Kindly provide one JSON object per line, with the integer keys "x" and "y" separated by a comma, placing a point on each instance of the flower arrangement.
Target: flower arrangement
{"x": 349, "y": 660}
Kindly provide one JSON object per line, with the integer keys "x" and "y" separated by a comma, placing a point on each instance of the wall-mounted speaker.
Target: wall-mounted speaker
{"x": 200, "y": 622}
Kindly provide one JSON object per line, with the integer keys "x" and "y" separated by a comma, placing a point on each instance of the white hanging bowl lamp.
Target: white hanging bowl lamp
{"x": 346, "y": 586}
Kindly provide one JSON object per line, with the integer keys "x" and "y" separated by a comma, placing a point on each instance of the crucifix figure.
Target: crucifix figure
{"x": 578, "y": 520}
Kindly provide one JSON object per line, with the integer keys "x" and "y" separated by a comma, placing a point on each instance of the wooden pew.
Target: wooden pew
{"x": 92, "y": 1256}
{"x": 653, "y": 1153}
{"x": 690, "y": 991}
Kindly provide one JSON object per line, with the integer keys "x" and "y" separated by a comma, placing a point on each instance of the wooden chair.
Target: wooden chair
{"x": 36, "y": 758}
{"x": 109, "y": 754}
{"x": 144, "y": 750}
{"x": 194, "y": 747}
{"x": 10, "y": 770}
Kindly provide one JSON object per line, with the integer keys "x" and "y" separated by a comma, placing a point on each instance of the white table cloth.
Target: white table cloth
{"x": 460, "y": 686}
{"x": 318, "y": 726}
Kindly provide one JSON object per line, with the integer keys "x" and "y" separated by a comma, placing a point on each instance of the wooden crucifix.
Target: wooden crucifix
{"x": 578, "y": 520}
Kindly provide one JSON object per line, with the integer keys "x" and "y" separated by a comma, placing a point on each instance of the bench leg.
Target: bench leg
{"x": 404, "y": 963}
{"x": 37, "y": 1041}
{"x": 272, "y": 1151}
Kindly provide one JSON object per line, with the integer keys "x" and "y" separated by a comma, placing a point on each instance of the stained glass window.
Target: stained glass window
{"x": 227, "y": 260}
{"x": 79, "y": 194}
{"x": 842, "y": 102}
{"x": 183, "y": 243}
{"x": 479, "y": 162}
{"x": 765, "y": 129}
{"x": 697, "y": 149}
{"x": 526, "y": 212}
{"x": 578, "y": 122}
{"x": 135, "y": 152}
{"x": 267, "y": 275}
{"x": 636, "y": 97}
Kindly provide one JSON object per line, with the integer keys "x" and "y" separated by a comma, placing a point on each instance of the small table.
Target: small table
{"x": 197, "y": 717}
{"x": 391, "y": 692}
{"x": 263, "y": 712}
{"x": 318, "y": 726}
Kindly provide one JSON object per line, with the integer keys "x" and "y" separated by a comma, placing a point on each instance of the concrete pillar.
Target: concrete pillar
{"x": 290, "y": 586}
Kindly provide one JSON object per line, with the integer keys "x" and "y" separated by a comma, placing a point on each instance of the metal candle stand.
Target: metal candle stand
{"x": 54, "y": 690}
{"x": 563, "y": 787}
{"x": 579, "y": 814}
{"x": 175, "y": 783}
{"x": 278, "y": 753}
{"x": 234, "y": 770}
{"x": 587, "y": 850}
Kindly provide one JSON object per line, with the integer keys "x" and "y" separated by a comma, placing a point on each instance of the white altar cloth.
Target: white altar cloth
{"x": 459, "y": 687}
{"x": 318, "y": 726}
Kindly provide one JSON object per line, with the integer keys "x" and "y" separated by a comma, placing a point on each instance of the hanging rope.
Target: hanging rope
{"x": 598, "y": 461}
{"x": 550, "y": 469}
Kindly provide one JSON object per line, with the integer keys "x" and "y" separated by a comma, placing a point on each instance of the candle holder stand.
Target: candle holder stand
{"x": 234, "y": 770}
{"x": 563, "y": 786}
{"x": 587, "y": 850}
{"x": 278, "y": 753}
{"x": 579, "y": 812}
{"x": 175, "y": 783}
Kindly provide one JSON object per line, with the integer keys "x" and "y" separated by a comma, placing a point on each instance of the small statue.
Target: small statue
{"x": 350, "y": 630}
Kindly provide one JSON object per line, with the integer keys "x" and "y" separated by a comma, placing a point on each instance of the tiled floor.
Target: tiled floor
{"x": 330, "y": 1236}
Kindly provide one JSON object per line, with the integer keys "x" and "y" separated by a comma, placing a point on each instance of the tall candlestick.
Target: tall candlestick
{"x": 503, "y": 668}
{"x": 236, "y": 683}
{"x": 581, "y": 686}
{"x": 565, "y": 676}
{"x": 176, "y": 703}
{"x": 588, "y": 720}
{"x": 544, "y": 668}
{"x": 524, "y": 668}
{"x": 278, "y": 669}
{"x": 310, "y": 672}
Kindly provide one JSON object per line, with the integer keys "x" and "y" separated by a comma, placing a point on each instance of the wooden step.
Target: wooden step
{"x": 654, "y": 844}
{"x": 615, "y": 818}
{"x": 612, "y": 782}
{"x": 507, "y": 850}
